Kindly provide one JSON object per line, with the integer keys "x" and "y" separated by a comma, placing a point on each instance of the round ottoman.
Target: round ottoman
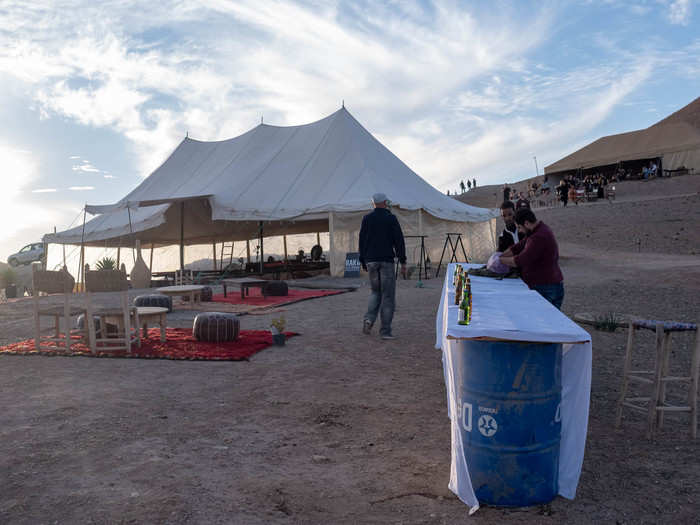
{"x": 206, "y": 294}
{"x": 111, "y": 329}
{"x": 275, "y": 289}
{"x": 163, "y": 301}
{"x": 216, "y": 327}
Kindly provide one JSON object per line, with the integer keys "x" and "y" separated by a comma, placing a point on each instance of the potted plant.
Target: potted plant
{"x": 277, "y": 329}
{"x": 8, "y": 279}
{"x": 106, "y": 263}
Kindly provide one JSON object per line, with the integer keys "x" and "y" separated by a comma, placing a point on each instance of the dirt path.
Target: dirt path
{"x": 335, "y": 427}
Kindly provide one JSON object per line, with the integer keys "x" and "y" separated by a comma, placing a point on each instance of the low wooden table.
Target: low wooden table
{"x": 146, "y": 315}
{"x": 245, "y": 283}
{"x": 194, "y": 291}
{"x": 154, "y": 315}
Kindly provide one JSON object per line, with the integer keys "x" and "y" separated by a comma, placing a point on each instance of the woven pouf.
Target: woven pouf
{"x": 205, "y": 295}
{"x": 216, "y": 327}
{"x": 80, "y": 322}
{"x": 163, "y": 301}
{"x": 275, "y": 289}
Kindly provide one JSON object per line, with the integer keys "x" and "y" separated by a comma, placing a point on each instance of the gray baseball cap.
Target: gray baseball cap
{"x": 379, "y": 197}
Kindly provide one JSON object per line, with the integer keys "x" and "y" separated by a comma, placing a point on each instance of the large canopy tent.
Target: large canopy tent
{"x": 273, "y": 180}
{"x": 675, "y": 140}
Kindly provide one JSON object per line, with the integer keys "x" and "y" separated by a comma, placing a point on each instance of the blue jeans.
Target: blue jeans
{"x": 554, "y": 293}
{"x": 383, "y": 283}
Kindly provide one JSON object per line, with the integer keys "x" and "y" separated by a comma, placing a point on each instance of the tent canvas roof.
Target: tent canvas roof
{"x": 292, "y": 175}
{"x": 677, "y": 132}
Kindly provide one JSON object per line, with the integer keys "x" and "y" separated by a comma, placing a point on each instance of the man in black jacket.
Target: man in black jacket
{"x": 381, "y": 239}
{"x": 509, "y": 236}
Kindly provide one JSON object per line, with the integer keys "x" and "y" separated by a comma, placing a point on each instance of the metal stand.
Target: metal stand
{"x": 422, "y": 260}
{"x": 453, "y": 246}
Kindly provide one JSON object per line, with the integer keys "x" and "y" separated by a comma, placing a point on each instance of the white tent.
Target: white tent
{"x": 317, "y": 177}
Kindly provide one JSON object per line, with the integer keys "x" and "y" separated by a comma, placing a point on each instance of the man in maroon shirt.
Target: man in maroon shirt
{"x": 537, "y": 256}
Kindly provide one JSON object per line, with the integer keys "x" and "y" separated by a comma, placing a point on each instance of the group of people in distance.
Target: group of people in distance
{"x": 593, "y": 185}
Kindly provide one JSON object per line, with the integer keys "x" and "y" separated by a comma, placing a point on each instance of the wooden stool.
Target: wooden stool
{"x": 655, "y": 404}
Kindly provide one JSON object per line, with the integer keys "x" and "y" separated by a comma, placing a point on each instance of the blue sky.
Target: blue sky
{"x": 95, "y": 95}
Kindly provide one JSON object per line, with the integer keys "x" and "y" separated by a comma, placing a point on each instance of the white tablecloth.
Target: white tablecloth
{"x": 509, "y": 310}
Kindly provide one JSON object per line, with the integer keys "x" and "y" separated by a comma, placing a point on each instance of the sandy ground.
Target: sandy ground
{"x": 339, "y": 427}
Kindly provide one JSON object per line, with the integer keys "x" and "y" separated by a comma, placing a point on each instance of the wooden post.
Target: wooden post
{"x": 182, "y": 235}
{"x": 262, "y": 253}
{"x": 284, "y": 239}
{"x": 119, "y": 253}
{"x": 247, "y": 249}
{"x": 81, "y": 275}
{"x": 150, "y": 263}
{"x": 213, "y": 246}
{"x": 318, "y": 238}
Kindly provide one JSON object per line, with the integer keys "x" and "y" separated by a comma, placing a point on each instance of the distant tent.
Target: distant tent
{"x": 675, "y": 139}
{"x": 317, "y": 177}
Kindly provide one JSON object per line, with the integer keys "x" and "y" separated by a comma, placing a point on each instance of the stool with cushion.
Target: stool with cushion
{"x": 216, "y": 327}
{"x": 275, "y": 289}
{"x": 655, "y": 404}
{"x": 163, "y": 301}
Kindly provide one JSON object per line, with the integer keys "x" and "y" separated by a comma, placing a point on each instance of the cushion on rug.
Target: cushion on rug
{"x": 216, "y": 327}
{"x": 160, "y": 300}
{"x": 275, "y": 289}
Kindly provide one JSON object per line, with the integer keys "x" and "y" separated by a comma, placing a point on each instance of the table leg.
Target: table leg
{"x": 162, "y": 328}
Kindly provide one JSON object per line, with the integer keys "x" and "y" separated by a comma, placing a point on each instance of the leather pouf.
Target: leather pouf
{"x": 275, "y": 289}
{"x": 206, "y": 294}
{"x": 111, "y": 329}
{"x": 155, "y": 299}
{"x": 216, "y": 327}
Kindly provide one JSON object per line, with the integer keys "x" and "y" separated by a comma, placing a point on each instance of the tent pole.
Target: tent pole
{"x": 150, "y": 263}
{"x": 213, "y": 246}
{"x": 182, "y": 235}
{"x": 81, "y": 269}
{"x": 332, "y": 256}
{"x": 318, "y": 238}
{"x": 247, "y": 249}
{"x": 261, "y": 248}
{"x": 284, "y": 238}
{"x": 119, "y": 253}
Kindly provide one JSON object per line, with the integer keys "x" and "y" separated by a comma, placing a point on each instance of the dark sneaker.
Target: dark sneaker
{"x": 388, "y": 337}
{"x": 366, "y": 327}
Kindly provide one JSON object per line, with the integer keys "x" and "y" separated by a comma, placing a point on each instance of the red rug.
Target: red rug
{"x": 256, "y": 298}
{"x": 179, "y": 345}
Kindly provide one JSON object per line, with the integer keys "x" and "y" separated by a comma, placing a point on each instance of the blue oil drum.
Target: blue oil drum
{"x": 510, "y": 422}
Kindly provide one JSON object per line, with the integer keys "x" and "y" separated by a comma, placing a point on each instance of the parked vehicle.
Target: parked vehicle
{"x": 27, "y": 255}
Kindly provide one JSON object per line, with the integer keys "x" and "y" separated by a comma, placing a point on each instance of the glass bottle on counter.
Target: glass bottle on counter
{"x": 458, "y": 289}
{"x": 465, "y": 304}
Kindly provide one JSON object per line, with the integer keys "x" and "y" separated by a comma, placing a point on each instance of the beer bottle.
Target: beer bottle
{"x": 458, "y": 289}
{"x": 463, "y": 317}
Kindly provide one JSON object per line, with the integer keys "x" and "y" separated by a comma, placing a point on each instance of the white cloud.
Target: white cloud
{"x": 86, "y": 166}
{"x": 679, "y": 12}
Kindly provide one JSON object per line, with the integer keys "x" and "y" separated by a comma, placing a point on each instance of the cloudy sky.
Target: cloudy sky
{"x": 95, "y": 95}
